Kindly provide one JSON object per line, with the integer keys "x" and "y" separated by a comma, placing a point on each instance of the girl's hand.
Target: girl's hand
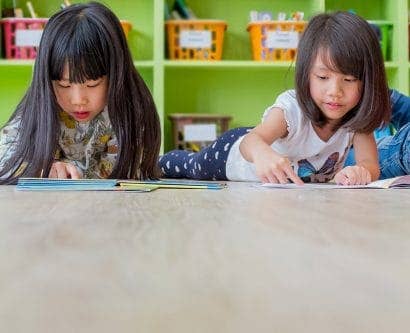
{"x": 64, "y": 170}
{"x": 353, "y": 175}
{"x": 255, "y": 147}
{"x": 275, "y": 168}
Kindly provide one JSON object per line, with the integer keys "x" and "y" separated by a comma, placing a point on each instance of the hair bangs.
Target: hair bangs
{"x": 342, "y": 59}
{"x": 82, "y": 52}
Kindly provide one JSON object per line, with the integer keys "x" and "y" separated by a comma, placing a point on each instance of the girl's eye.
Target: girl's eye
{"x": 62, "y": 85}
{"x": 350, "y": 79}
{"x": 93, "y": 85}
{"x": 321, "y": 77}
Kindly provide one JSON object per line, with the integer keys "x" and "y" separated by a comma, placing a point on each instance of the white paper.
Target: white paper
{"x": 307, "y": 186}
{"x": 28, "y": 37}
{"x": 282, "y": 39}
{"x": 404, "y": 181}
{"x": 195, "y": 39}
{"x": 200, "y": 132}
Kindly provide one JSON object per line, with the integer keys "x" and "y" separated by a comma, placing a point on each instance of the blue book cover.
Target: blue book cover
{"x": 53, "y": 184}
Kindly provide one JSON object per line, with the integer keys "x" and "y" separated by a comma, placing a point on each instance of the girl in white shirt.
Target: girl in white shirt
{"x": 341, "y": 96}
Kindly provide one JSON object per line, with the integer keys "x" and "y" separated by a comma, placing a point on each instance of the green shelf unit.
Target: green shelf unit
{"x": 236, "y": 85}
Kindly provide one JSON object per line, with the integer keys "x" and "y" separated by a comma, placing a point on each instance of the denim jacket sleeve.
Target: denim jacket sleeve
{"x": 400, "y": 109}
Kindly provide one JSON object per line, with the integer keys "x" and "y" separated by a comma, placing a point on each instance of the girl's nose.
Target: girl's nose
{"x": 78, "y": 96}
{"x": 334, "y": 88}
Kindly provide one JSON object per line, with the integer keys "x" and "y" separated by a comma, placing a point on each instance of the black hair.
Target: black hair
{"x": 89, "y": 38}
{"x": 348, "y": 45}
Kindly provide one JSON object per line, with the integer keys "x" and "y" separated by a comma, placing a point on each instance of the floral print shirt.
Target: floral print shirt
{"x": 91, "y": 146}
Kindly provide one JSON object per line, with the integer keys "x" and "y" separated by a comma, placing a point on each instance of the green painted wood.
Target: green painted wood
{"x": 13, "y": 84}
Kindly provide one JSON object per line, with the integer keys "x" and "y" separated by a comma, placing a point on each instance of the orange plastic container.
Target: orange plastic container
{"x": 195, "y": 39}
{"x": 126, "y": 26}
{"x": 275, "y": 40}
{"x": 22, "y": 36}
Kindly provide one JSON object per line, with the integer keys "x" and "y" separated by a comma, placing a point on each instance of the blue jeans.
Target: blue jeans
{"x": 394, "y": 150}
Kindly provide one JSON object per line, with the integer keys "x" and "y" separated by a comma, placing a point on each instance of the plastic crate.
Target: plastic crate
{"x": 195, "y": 39}
{"x": 21, "y": 36}
{"x": 383, "y": 30}
{"x": 126, "y": 26}
{"x": 193, "y": 131}
{"x": 275, "y": 40}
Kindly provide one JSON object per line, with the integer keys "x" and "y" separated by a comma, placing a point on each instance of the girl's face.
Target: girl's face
{"x": 333, "y": 92}
{"x": 82, "y": 101}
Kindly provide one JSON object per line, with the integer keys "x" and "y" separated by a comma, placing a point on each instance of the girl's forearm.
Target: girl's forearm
{"x": 252, "y": 146}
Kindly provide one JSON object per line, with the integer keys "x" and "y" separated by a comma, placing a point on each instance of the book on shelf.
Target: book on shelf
{"x": 54, "y": 184}
{"x": 389, "y": 183}
{"x": 183, "y": 10}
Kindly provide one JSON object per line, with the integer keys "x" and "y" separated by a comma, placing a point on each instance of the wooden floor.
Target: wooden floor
{"x": 243, "y": 259}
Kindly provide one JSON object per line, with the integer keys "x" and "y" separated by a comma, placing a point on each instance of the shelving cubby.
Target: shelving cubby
{"x": 236, "y": 85}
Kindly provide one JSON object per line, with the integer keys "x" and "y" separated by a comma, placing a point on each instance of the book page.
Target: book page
{"x": 396, "y": 182}
{"x": 306, "y": 186}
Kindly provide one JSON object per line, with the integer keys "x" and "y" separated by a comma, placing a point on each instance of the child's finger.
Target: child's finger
{"x": 262, "y": 177}
{"x": 360, "y": 176}
{"x": 61, "y": 170}
{"x": 73, "y": 172}
{"x": 290, "y": 174}
{"x": 280, "y": 175}
{"x": 365, "y": 176}
{"x": 272, "y": 178}
{"x": 53, "y": 173}
{"x": 352, "y": 175}
{"x": 369, "y": 177}
{"x": 295, "y": 179}
{"x": 341, "y": 178}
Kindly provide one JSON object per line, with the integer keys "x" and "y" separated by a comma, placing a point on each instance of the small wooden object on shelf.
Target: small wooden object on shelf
{"x": 205, "y": 124}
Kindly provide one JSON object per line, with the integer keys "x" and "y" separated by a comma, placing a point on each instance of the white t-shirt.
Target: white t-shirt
{"x": 313, "y": 159}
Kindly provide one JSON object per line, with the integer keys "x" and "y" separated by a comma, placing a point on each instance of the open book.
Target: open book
{"x": 397, "y": 182}
{"x": 53, "y": 184}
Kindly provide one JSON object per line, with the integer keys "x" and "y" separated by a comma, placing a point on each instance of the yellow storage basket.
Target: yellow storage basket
{"x": 275, "y": 40}
{"x": 195, "y": 39}
{"x": 126, "y": 26}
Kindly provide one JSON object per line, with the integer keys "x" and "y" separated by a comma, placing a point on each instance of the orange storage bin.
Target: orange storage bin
{"x": 126, "y": 26}
{"x": 21, "y": 36}
{"x": 195, "y": 39}
{"x": 275, "y": 40}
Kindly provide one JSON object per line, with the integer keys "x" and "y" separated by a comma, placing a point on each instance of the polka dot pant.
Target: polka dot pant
{"x": 207, "y": 164}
